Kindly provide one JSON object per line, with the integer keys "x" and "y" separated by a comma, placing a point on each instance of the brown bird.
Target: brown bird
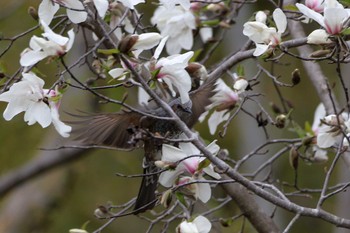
{"x": 121, "y": 129}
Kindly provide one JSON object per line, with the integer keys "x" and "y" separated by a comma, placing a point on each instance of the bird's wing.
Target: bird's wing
{"x": 109, "y": 129}
{"x": 201, "y": 99}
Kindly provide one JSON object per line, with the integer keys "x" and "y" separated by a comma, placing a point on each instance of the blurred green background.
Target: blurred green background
{"x": 74, "y": 191}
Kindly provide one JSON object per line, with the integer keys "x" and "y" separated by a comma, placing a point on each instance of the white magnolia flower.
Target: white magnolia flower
{"x": 329, "y": 134}
{"x": 38, "y": 104}
{"x": 146, "y": 41}
{"x": 171, "y": 154}
{"x": 48, "y": 8}
{"x": 316, "y": 5}
{"x": 51, "y": 46}
{"x": 265, "y": 37}
{"x": 333, "y": 18}
{"x": 172, "y": 72}
{"x": 177, "y": 23}
{"x": 199, "y": 225}
{"x": 224, "y": 100}
{"x": 318, "y": 36}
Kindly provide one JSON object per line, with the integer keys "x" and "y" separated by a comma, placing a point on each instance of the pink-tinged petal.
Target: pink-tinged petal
{"x": 63, "y": 129}
{"x": 260, "y": 49}
{"x": 204, "y": 191}
{"x": 32, "y": 57}
{"x": 333, "y": 20}
{"x": 51, "y": 35}
{"x": 280, "y": 20}
{"x": 38, "y": 112}
{"x": 101, "y": 7}
{"x": 203, "y": 224}
{"x": 47, "y": 9}
{"x": 311, "y": 14}
{"x": 215, "y": 119}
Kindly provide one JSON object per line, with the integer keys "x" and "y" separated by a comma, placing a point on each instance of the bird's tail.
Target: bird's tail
{"x": 146, "y": 198}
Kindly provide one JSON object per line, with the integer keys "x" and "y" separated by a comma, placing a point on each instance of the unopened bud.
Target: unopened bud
{"x": 320, "y": 53}
{"x": 275, "y": 108}
{"x": 127, "y": 43}
{"x": 309, "y": 141}
{"x": 296, "y": 77}
{"x": 33, "y": 12}
{"x": 240, "y": 85}
{"x": 293, "y": 158}
{"x": 166, "y": 198}
{"x": 101, "y": 212}
{"x": 281, "y": 121}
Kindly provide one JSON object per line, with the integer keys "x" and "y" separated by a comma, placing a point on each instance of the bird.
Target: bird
{"x": 124, "y": 130}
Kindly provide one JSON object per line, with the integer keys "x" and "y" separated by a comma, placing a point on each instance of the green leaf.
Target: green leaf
{"x": 3, "y": 67}
{"x": 154, "y": 73}
{"x": 181, "y": 198}
{"x": 240, "y": 70}
{"x": 205, "y": 163}
{"x": 346, "y": 32}
{"x": 290, "y": 8}
{"x": 195, "y": 55}
{"x": 108, "y": 51}
{"x": 346, "y": 3}
{"x": 308, "y": 128}
{"x": 210, "y": 23}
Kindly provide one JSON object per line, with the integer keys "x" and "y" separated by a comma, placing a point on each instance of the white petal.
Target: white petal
{"x": 171, "y": 153}
{"x": 51, "y": 35}
{"x": 204, "y": 191}
{"x": 318, "y": 36}
{"x": 261, "y": 17}
{"x": 319, "y": 114}
{"x": 311, "y": 14}
{"x": 63, "y": 129}
{"x": 280, "y": 20}
{"x": 116, "y": 73}
{"x": 326, "y": 140}
{"x": 210, "y": 171}
{"x": 147, "y": 41}
{"x": 215, "y": 119}
{"x": 206, "y": 34}
{"x": 47, "y": 9}
{"x": 260, "y": 49}
{"x": 38, "y": 112}
{"x": 333, "y": 19}
{"x": 167, "y": 178}
{"x": 32, "y": 57}
{"x": 160, "y": 47}
{"x": 13, "y": 108}
{"x": 76, "y": 16}
{"x": 203, "y": 224}
{"x": 101, "y": 7}
{"x": 143, "y": 96}
{"x": 71, "y": 36}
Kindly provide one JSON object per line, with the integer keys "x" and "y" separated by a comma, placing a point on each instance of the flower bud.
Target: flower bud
{"x": 126, "y": 44}
{"x": 33, "y": 12}
{"x": 240, "y": 85}
{"x": 293, "y": 158}
{"x": 281, "y": 121}
{"x": 320, "y": 53}
{"x": 296, "y": 77}
{"x": 319, "y": 36}
{"x": 166, "y": 198}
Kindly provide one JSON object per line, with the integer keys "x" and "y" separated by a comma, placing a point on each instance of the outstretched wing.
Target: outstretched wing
{"x": 201, "y": 99}
{"x": 109, "y": 129}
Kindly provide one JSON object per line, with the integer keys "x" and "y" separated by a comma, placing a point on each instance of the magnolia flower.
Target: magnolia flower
{"x": 332, "y": 19}
{"x": 40, "y": 105}
{"x": 315, "y": 5}
{"x": 171, "y": 154}
{"x": 48, "y": 8}
{"x": 139, "y": 43}
{"x": 265, "y": 37}
{"x": 224, "y": 100}
{"x": 177, "y": 23}
{"x": 52, "y": 45}
{"x": 318, "y": 36}
{"x": 329, "y": 132}
{"x": 199, "y": 225}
